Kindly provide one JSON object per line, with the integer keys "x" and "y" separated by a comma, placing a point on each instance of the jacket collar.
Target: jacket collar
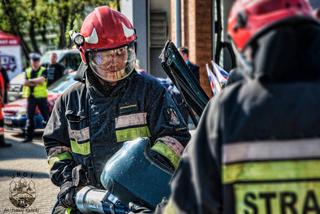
{"x": 289, "y": 53}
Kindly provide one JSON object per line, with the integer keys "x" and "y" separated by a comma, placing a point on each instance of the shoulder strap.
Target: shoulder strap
{"x": 28, "y": 72}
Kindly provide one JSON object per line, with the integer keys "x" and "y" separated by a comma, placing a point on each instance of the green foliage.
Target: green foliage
{"x": 51, "y": 20}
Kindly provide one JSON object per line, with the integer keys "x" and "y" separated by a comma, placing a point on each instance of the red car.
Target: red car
{"x": 15, "y": 113}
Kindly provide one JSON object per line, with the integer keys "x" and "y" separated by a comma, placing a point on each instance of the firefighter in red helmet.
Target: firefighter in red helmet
{"x": 257, "y": 147}
{"x": 111, "y": 105}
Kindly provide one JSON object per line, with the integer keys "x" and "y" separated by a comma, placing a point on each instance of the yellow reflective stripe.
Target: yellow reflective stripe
{"x": 271, "y": 170}
{"x": 132, "y": 133}
{"x": 167, "y": 152}
{"x": 170, "y": 208}
{"x": 80, "y": 148}
{"x": 291, "y": 197}
{"x": 68, "y": 210}
{"x": 59, "y": 157}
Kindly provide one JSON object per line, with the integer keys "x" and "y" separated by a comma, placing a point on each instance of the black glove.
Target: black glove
{"x": 79, "y": 176}
{"x": 66, "y": 196}
{"x": 135, "y": 208}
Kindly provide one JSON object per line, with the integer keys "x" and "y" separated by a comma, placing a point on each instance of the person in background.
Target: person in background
{"x": 6, "y": 79}
{"x": 35, "y": 90}
{"x": 193, "y": 67}
{"x": 55, "y": 70}
{"x": 3, "y": 144}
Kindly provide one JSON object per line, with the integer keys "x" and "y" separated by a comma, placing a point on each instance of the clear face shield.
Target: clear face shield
{"x": 113, "y": 65}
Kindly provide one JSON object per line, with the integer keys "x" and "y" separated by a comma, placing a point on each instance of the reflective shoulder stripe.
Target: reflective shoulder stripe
{"x": 271, "y": 170}
{"x": 80, "y": 148}
{"x": 28, "y": 72}
{"x": 170, "y": 208}
{"x": 132, "y": 133}
{"x": 42, "y": 69}
{"x": 59, "y": 157}
{"x": 167, "y": 152}
{"x": 271, "y": 150}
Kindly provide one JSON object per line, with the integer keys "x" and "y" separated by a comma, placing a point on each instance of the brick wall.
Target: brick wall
{"x": 184, "y": 23}
{"x": 172, "y": 25}
{"x": 196, "y": 32}
{"x": 203, "y": 26}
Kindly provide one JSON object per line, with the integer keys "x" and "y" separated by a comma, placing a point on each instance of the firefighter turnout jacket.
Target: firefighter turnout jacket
{"x": 257, "y": 147}
{"x": 90, "y": 122}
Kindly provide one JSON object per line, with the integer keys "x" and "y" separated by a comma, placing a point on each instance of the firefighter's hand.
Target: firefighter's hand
{"x": 66, "y": 196}
{"x": 135, "y": 208}
{"x": 26, "y": 83}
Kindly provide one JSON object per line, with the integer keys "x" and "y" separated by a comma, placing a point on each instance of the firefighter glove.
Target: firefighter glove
{"x": 66, "y": 196}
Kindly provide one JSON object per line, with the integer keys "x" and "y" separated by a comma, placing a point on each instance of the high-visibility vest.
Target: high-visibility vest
{"x": 40, "y": 90}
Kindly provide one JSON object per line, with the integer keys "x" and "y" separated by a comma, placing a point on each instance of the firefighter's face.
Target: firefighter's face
{"x": 111, "y": 65}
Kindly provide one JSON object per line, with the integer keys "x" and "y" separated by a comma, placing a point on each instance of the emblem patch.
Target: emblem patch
{"x": 22, "y": 192}
{"x": 172, "y": 117}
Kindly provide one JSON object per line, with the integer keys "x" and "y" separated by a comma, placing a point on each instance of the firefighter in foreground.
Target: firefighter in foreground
{"x": 257, "y": 146}
{"x": 114, "y": 104}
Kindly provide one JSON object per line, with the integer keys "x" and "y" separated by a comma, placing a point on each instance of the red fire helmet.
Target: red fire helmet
{"x": 105, "y": 29}
{"x": 249, "y": 17}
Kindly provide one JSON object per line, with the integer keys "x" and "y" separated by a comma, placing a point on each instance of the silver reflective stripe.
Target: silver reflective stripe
{"x": 131, "y": 120}
{"x": 268, "y": 150}
{"x": 79, "y": 135}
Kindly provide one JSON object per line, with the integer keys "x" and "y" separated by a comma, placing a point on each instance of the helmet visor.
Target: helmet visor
{"x": 113, "y": 65}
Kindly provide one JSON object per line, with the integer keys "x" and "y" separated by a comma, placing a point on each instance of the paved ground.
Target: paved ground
{"x": 27, "y": 160}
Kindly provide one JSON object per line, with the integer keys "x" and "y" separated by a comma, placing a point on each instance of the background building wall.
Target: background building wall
{"x": 137, "y": 12}
{"x": 159, "y": 21}
{"x": 196, "y": 33}
{"x": 151, "y": 20}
